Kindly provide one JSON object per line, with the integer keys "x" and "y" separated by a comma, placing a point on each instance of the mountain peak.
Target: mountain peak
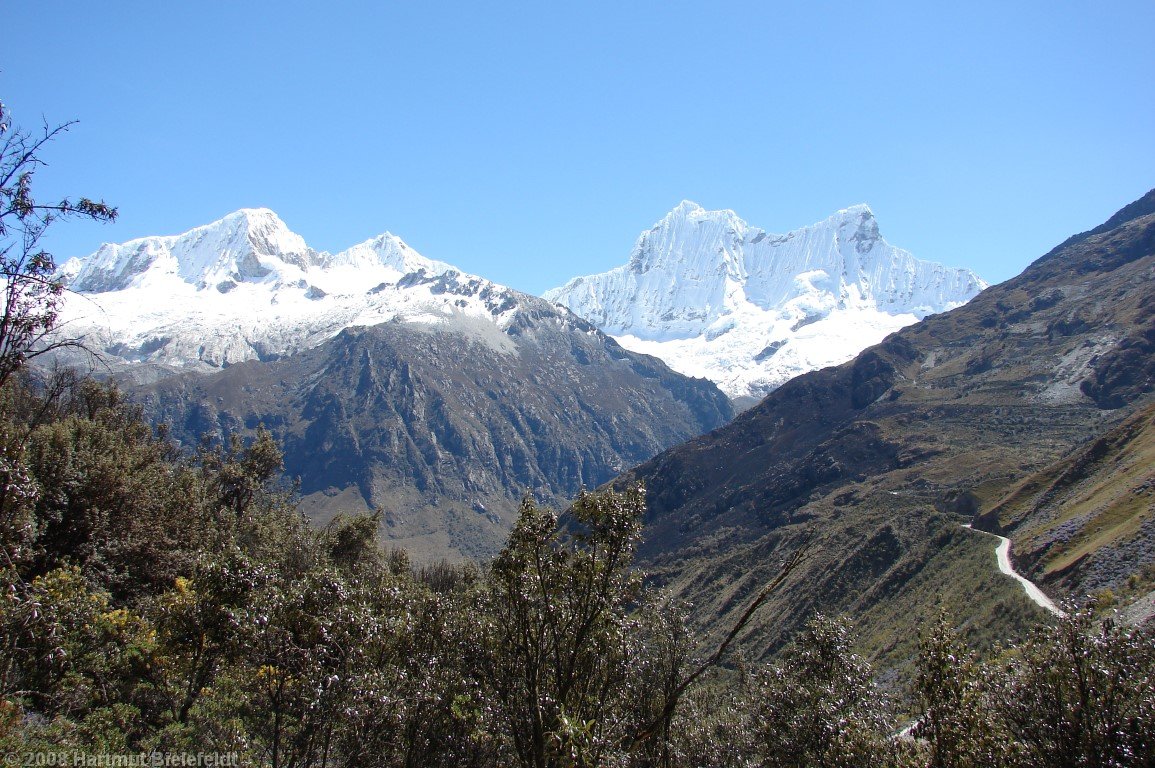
{"x": 686, "y": 208}
{"x": 859, "y": 209}
{"x": 254, "y": 220}
{"x": 244, "y": 222}
{"x": 857, "y": 224}
{"x": 716, "y": 297}
{"x": 673, "y": 246}
{"x": 251, "y": 216}
{"x": 234, "y": 247}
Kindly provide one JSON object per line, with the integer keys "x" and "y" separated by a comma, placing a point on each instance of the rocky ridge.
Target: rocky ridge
{"x": 247, "y": 288}
{"x": 445, "y": 426}
{"x": 718, "y": 298}
{"x": 873, "y": 464}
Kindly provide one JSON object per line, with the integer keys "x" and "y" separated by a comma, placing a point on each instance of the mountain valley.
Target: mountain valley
{"x": 441, "y": 398}
{"x": 874, "y": 465}
{"x": 398, "y": 382}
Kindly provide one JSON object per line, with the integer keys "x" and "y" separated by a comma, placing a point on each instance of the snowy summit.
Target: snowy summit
{"x": 710, "y": 295}
{"x": 247, "y": 288}
{"x": 717, "y": 298}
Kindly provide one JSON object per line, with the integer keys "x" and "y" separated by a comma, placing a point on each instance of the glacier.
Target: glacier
{"x": 702, "y": 290}
{"x": 246, "y": 287}
{"x": 719, "y": 299}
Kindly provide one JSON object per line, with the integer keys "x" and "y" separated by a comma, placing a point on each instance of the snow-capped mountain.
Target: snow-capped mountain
{"x": 391, "y": 381}
{"x": 710, "y": 295}
{"x": 717, "y": 298}
{"x": 246, "y": 287}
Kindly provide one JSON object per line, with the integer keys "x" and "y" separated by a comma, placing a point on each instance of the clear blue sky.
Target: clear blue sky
{"x": 531, "y": 142}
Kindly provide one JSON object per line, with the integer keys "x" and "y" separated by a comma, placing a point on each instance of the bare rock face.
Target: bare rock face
{"x": 930, "y": 429}
{"x": 715, "y": 297}
{"x": 445, "y": 426}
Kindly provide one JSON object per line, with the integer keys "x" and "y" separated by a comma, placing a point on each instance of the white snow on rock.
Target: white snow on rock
{"x": 716, "y": 298}
{"x": 710, "y": 295}
{"x": 246, "y": 287}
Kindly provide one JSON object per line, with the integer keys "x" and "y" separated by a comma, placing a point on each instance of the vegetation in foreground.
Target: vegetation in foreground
{"x": 155, "y": 602}
{"x": 158, "y": 601}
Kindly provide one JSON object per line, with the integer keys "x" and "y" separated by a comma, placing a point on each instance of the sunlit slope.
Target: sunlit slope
{"x": 1087, "y": 522}
{"x": 877, "y": 462}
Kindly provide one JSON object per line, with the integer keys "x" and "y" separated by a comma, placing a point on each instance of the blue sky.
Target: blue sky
{"x": 531, "y": 142}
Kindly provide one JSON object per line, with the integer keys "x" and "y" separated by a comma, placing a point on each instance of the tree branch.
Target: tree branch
{"x": 672, "y": 701}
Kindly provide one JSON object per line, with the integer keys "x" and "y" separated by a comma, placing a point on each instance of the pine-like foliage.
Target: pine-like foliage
{"x": 154, "y": 599}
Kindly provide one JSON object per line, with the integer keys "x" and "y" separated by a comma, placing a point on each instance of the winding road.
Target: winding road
{"x": 1003, "y": 554}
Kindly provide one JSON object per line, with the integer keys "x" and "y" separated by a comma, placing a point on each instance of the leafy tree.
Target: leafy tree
{"x": 19, "y": 493}
{"x": 243, "y": 474}
{"x": 352, "y": 541}
{"x": 584, "y": 665}
{"x": 959, "y": 723}
{"x": 114, "y": 496}
{"x": 32, "y": 291}
{"x": 1083, "y": 694}
{"x": 70, "y": 653}
{"x": 557, "y": 615}
{"x": 818, "y": 706}
{"x": 714, "y": 726}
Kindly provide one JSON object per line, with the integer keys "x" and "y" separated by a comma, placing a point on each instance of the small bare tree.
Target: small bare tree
{"x": 32, "y": 290}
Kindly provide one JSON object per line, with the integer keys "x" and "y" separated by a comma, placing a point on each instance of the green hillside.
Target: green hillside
{"x": 875, "y": 464}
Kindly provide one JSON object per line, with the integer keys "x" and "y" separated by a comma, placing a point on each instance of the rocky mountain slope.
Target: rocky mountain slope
{"x": 247, "y": 288}
{"x": 445, "y": 426}
{"x": 1086, "y": 524}
{"x": 391, "y": 380}
{"x": 749, "y": 310}
{"x": 874, "y": 464}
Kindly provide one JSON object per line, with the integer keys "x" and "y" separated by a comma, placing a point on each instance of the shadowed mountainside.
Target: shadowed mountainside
{"x": 446, "y": 425}
{"x": 876, "y": 462}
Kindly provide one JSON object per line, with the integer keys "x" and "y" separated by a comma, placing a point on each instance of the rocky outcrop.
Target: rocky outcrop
{"x": 714, "y": 296}
{"x": 916, "y": 434}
